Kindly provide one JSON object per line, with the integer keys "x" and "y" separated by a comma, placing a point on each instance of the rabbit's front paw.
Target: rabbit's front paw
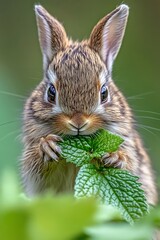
{"x": 49, "y": 150}
{"x": 116, "y": 159}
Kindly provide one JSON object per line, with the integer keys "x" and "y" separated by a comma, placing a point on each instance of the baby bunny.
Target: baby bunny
{"x": 77, "y": 96}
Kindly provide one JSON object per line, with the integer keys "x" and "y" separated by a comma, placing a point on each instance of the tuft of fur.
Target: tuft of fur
{"x": 78, "y": 71}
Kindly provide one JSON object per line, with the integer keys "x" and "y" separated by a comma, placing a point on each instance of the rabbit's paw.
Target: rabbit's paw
{"x": 49, "y": 150}
{"x": 116, "y": 159}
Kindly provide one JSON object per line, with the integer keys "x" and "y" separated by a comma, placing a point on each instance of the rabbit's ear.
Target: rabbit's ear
{"x": 107, "y": 35}
{"x": 52, "y": 35}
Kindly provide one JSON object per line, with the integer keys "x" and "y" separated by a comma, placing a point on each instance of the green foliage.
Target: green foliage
{"x": 120, "y": 232}
{"x": 112, "y": 186}
{"x": 49, "y": 214}
{"x": 82, "y": 149}
{"x": 43, "y": 218}
{"x": 66, "y": 218}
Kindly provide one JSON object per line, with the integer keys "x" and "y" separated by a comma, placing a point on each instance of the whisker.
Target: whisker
{"x": 139, "y": 96}
{"x": 143, "y": 127}
{"x": 145, "y": 111}
{"x": 9, "y": 134}
{"x": 134, "y": 123}
{"x": 9, "y": 122}
{"x": 149, "y": 127}
{"x": 13, "y": 94}
{"x": 19, "y": 136}
{"x": 138, "y": 125}
{"x": 148, "y": 117}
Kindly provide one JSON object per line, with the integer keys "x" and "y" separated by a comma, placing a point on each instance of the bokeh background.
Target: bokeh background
{"x": 136, "y": 70}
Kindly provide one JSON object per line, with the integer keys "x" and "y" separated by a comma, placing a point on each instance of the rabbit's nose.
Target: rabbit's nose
{"x": 78, "y": 122}
{"x": 77, "y": 126}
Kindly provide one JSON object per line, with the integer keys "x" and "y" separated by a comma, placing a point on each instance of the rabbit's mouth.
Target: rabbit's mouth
{"x": 77, "y": 124}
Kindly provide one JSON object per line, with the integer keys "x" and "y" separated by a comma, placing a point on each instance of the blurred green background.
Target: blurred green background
{"x": 136, "y": 70}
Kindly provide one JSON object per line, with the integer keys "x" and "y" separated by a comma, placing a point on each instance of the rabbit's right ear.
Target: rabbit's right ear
{"x": 106, "y": 37}
{"x": 52, "y": 35}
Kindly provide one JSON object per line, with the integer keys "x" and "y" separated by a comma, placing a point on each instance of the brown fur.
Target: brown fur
{"x": 77, "y": 67}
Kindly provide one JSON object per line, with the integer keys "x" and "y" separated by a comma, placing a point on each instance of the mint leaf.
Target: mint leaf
{"x": 115, "y": 187}
{"x": 82, "y": 149}
{"x": 77, "y": 149}
{"x": 112, "y": 186}
{"x": 105, "y": 142}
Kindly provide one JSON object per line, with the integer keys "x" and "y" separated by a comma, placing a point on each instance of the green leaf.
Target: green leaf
{"x": 60, "y": 218}
{"x": 82, "y": 149}
{"x": 120, "y": 231}
{"x": 105, "y": 142}
{"x": 112, "y": 186}
{"x": 77, "y": 149}
{"x": 46, "y": 218}
{"x": 13, "y": 223}
{"x": 115, "y": 187}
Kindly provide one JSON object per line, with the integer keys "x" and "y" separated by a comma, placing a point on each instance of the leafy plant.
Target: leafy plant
{"x": 66, "y": 218}
{"x": 82, "y": 149}
{"x": 112, "y": 186}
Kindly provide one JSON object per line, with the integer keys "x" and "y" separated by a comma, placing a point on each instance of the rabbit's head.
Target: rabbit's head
{"x": 77, "y": 95}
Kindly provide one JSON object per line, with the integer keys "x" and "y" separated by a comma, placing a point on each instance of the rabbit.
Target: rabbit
{"x": 77, "y": 96}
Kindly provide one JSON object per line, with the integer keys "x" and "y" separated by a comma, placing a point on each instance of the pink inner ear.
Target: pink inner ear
{"x": 107, "y": 35}
{"x": 52, "y": 35}
{"x": 45, "y": 38}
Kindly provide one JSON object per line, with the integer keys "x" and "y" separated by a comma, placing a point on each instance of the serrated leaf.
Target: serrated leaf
{"x": 115, "y": 187}
{"x": 81, "y": 149}
{"x": 77, "y": 149}
{"x": 105, "y": 142}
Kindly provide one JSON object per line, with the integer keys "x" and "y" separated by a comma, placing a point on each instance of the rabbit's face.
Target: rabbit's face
{"x": 78, "y": 94}
{"x": 78, "y": 76}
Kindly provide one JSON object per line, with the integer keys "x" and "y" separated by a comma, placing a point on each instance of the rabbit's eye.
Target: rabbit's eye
{"x": 51, "y": 94}
{"x": 104, "y": 93}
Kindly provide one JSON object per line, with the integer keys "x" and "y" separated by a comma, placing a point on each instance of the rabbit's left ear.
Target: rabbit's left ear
{"x": 107, "y": 35}
{"x": 52, "y": 36}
